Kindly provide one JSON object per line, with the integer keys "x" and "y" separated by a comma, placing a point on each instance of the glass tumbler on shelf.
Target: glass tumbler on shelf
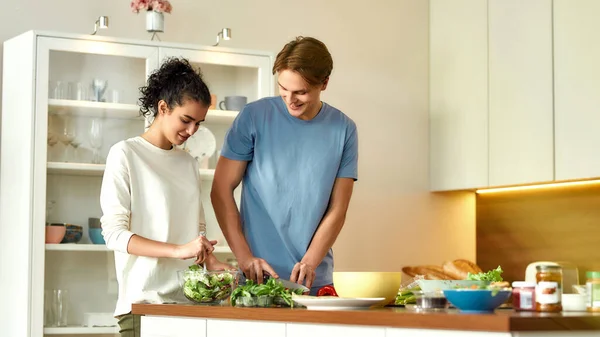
{"x": 59, "y": 308}
{"x": 96, "y": 139}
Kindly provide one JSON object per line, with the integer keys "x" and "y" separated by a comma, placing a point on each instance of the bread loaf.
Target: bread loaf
{"x": 450, "y": 270}
{"x": 428, "y": 272}
{"x": 460, "y": 268}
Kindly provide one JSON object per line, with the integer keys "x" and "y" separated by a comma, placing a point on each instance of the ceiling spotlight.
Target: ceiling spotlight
{"x": 224, "y": 34}
{"x": 101, "y": 23}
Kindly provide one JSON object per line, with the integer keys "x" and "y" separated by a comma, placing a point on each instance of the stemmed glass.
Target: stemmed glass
{"x": 96, "y": 138}
{"x": 68, "y": 136}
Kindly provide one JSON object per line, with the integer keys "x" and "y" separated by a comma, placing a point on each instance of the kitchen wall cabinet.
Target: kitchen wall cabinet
{"x": 577, "y": 88}
{"x": 491, "y": 93}
{"x": 458, "y": 94}
{"x": 520, "y": 92}
{"x": 46, "y": 170}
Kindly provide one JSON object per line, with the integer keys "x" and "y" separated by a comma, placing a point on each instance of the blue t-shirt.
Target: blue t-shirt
{"x": 292, "y": 166}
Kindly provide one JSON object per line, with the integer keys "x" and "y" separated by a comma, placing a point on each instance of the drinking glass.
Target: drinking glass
{"x": 96, "y": 138}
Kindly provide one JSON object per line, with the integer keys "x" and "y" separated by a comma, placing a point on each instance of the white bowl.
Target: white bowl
{"x": 574, "y": 302}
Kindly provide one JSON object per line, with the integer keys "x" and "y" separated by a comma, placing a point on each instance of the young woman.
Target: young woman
{"x": 150, "y": 195}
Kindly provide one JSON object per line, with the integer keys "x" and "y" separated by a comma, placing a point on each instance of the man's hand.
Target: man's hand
{"x": 255, "y": 267}
{"x": 199, "y": 248}
{"x": 303, "y": 273}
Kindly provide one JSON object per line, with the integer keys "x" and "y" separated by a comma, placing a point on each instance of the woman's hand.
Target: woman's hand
{"x": 199, "y": 248}
{"x": 212, "y": 263}
{"x": 255, "y": 267}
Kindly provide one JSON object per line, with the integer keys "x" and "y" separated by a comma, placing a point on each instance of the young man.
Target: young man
{"x": 298, "y": 160}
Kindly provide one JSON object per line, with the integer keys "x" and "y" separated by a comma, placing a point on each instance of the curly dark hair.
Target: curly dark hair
{"x": 174, "y": 82}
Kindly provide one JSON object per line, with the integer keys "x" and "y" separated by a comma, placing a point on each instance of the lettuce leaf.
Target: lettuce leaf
{"x": 493, "y": 275}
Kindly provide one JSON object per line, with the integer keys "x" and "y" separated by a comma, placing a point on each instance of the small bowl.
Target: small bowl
{"x": 368, "y": 285}
{"x": 430, "y": 301}
{"x": 477, "y": 300}
{"x": 574, "y": 302}
{"x": 55, "y": 233}
{"x": 73, "y": 234}
{"x": 96, "y": 236}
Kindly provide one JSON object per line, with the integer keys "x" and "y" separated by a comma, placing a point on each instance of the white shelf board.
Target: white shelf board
{"x": 94, "y": 109}
{"x": 220, "y": 116}
{"x": 102, "y": 248}
{"x": 82, "y": 169}
{"x": 76, "y": 247}
{"x": 86, "y": 169}
{"x": 81, "y": 330}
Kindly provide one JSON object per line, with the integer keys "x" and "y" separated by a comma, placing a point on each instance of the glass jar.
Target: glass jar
{"x": 523, "y": 295}
{"x": 593, "y": 291}
{"x": 548, "y": 289}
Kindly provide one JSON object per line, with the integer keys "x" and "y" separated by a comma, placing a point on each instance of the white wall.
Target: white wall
{"x": 380, "y": 79}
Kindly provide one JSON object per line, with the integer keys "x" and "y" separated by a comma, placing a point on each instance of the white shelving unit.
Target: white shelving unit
{"x": 36, "y": 172}
{"x": 86, "y": 169}
{"x": 102, "y": 248}
{"x": 81, "y": 330}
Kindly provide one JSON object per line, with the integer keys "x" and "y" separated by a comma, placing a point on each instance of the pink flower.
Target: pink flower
{"x": 151, "y": 5}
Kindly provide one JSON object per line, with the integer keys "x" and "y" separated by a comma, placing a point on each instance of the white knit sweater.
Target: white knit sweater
{"x": 153, "y": 193}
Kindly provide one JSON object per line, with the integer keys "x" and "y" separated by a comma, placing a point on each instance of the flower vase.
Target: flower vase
{"x": 155, "y": 21}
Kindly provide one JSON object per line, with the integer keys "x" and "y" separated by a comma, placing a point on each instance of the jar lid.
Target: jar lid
{"x": 548, "y": 266}
{"x": 523, "y": 284}
{"x": 593, "y": 274}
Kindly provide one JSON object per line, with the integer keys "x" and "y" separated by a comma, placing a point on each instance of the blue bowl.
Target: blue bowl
{"x": 73, "y": 234}
{"x": 476, "y": 300}
{"x": 96, "y": 236}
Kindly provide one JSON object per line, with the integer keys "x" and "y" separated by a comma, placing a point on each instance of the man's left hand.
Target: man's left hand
{"x": 303, "y": 273}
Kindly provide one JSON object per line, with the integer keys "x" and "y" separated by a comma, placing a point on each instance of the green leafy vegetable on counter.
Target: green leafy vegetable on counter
{"x": 272, "y": 288}
{"x": 406, "y": 296}
{"x": 203, "y": 287}
{"x": 493, "y": 275}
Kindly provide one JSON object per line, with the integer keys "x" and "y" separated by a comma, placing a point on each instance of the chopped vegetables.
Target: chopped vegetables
{"x": 327, "y": 291}
{"x": 265, "y": 294}
{"x": 207, "y": 286}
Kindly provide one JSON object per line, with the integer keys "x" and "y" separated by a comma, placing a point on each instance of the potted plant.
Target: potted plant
{"x": 155, "y": 9}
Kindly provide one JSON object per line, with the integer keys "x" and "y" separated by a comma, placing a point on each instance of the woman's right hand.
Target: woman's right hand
{"x": 199, "y": 248}
{"x": 255, "y": 267}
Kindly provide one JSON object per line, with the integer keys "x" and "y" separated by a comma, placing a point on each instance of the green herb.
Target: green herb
{"x": 406, "y": 296}
{"x": 272, "y": 288}
{"x": 493, "y": 275}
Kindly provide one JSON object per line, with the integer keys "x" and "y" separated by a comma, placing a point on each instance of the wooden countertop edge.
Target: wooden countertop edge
{"x": 392, "y": 317}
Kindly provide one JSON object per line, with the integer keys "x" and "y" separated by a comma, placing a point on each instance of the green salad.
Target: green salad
{"x": 207, "y": 286}
{"x": 494, "y": 275}
{"x": 264, "y": 295}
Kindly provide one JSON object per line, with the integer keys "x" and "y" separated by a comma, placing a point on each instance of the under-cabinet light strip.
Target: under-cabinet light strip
{"x": 535, "y": 187}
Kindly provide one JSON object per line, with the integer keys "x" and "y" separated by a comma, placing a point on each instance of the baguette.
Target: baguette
{"x": 460, "y": 268}
{"x": 432, "y": 273}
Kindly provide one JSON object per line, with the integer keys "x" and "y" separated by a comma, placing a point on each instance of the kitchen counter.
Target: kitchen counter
{"x": 503, "y": 320}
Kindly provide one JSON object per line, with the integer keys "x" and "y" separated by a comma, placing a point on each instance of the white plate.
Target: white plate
{"x": 201, "y": 144}
{"x": 336, "y": 303}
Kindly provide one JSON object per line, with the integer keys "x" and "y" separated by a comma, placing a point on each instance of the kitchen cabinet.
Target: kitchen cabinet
{"x": 577, "y": 88}
{"x": 302, "y": 330}
{"x": 491, "y": 93}
{"x": 458, "y": 100}
{"x": 47, "y": 171}
{"x": 225, "y": 327}
{"x": 156, "y": 326}
{"x": 520, "y": 92}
